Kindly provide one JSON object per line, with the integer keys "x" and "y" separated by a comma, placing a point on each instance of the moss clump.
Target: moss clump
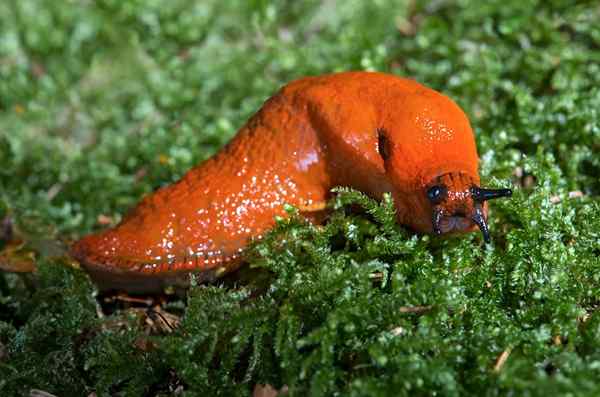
{"x": 102, "y": 102}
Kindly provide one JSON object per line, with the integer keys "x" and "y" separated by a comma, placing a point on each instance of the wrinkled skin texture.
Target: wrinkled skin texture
{"x": 374, "y": 132}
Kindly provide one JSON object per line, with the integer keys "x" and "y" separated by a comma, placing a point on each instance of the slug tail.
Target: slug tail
{"x": 114, "y": 272}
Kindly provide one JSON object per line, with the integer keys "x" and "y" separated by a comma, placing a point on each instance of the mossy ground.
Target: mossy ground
{"x": 104, "y": 101}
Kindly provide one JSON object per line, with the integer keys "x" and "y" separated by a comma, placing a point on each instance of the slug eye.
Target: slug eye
{"x": 437, "y": 193}
{"x": 383, "y": 144}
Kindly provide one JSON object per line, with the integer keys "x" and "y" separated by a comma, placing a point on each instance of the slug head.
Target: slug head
{"x": 459, "y": 205}
{"x": 430, "y": 159}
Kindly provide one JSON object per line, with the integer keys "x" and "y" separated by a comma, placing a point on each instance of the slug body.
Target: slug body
{"x": 371, "y": 131}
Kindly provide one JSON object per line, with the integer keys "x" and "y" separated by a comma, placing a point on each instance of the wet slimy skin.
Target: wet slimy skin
{"x": 371, "y": 131}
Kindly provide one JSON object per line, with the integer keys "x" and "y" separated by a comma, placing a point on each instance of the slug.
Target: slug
{"x": 374, "y": 132}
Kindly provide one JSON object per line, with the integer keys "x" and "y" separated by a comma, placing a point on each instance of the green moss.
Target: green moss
{"x": 104, "y": 101}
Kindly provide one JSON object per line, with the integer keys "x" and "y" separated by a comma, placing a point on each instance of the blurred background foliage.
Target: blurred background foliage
{"x": 103, "y": 101}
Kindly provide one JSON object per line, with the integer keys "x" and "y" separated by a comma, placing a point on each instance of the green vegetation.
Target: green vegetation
{"x": 104, "y": 101}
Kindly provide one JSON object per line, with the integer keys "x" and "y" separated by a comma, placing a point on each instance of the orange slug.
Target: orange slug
{"x": 374, "y": 132}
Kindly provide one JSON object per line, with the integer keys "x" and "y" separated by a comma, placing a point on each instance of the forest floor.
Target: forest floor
{"x": 102, "y": 102}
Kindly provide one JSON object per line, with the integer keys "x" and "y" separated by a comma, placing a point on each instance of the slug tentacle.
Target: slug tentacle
{"x": 481, "y": 194}
{"x": 480, "y": 221}
{"x": 437, "y": 220}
